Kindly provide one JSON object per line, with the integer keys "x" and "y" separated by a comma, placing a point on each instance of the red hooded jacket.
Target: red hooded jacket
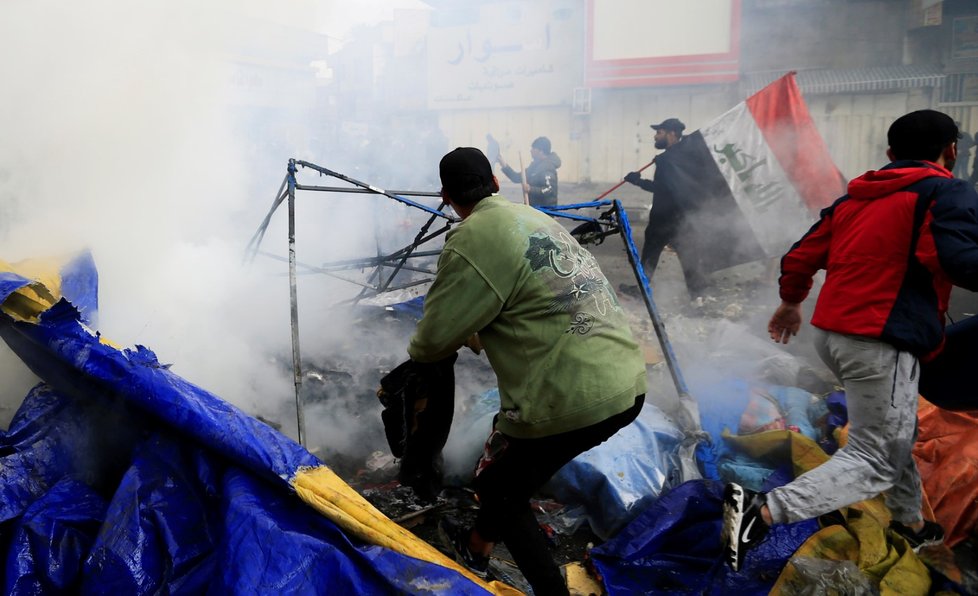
{"x": 892, "y": 248}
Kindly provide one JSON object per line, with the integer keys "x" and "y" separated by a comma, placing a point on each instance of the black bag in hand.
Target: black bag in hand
{"x": 419, "y": 403}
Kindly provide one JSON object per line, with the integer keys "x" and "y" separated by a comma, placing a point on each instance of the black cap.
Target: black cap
{"x": 541, "y": 143}
{"x": 921, "y": 135}
{"x": 673, "y": 124}
{"x": 463, "y": 169}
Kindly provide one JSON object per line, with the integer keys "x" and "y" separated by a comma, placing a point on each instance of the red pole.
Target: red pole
{"x": 615, "y": 187}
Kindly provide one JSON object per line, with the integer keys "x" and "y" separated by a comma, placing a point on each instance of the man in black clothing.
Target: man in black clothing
{"x": 668, "y": 215}
{"x": 541, "y": 174}
{"x": 965, "y": 143}
{"x": 974, "y": 164}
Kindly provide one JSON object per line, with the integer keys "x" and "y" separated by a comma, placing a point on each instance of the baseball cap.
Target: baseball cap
{"x": 921, "y": 135}
{"x": 464, "y": 168}
{"x": 673, "y": 124}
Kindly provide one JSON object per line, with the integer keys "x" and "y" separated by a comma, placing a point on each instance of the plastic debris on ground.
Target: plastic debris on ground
{"x": 121, "y": 476}
{"x": 195, "y": 495}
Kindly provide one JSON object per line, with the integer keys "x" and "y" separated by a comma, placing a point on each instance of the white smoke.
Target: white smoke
{"x": 147, "y": 134}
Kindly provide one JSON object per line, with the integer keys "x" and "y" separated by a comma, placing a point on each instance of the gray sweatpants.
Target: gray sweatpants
{"x": 881, "y": 397}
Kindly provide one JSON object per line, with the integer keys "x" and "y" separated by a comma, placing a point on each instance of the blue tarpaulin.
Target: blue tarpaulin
{"x": 674, "y": 547}
{"x": 622, "y": 476}
{"x": 118, "y": 476}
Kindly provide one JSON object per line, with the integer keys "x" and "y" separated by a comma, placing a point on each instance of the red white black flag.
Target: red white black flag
{"x": 756, "y": 177}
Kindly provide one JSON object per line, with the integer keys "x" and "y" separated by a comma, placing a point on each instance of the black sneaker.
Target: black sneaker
{"x": 456, "y": 538}
{"x": 743, "y": 527}
{"x": 929, "y": 535}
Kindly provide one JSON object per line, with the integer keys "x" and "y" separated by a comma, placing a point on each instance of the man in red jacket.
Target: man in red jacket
{"x": 892, "y": 248}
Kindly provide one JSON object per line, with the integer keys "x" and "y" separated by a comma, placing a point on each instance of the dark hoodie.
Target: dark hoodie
{"x": 892, "y": 248}
{"x": 541, "y": 175}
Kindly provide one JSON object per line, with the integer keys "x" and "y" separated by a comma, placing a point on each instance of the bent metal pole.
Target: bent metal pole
{"x": 293, "y": 298}
{"x": 689, "y": 409}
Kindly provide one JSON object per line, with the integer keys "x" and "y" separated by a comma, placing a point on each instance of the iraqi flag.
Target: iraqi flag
{"x": 755, "y": 178}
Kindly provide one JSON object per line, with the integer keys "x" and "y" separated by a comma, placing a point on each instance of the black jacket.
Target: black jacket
{"x": 541, "y": 175}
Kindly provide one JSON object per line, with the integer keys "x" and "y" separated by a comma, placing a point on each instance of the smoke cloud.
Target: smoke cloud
{"x": 151, "y": 135}
{"x": 157, "y": 135}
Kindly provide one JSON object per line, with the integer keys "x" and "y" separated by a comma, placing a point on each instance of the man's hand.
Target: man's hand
{"x": 526, "y": 187}
{"x": 633, "y": 177}
{"x": 785, "y": 322}
{"x": 474, "y": 343}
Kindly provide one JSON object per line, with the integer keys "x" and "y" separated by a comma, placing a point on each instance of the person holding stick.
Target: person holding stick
{"x": 539, "y": 179}
{"x": 668, "y": 213}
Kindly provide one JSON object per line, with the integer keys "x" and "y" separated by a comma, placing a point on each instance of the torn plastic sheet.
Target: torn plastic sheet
{"x": 732, "y": 406}
{"x": 49, "y": 543}
{"x": 619, "y": 478}
{"x": 822, "y": 576}
{"x": 198, "y": 494}
{"x": 149, "y": 512}
{"x": 673, "y": 547}
{"x": 947, "y": 456}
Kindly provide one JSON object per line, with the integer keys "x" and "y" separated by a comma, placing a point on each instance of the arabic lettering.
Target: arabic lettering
{"x": 461, "y": 49}
{"x": 490, "y": 86}
{"x": 493, "y": 71}
{"x": 488, "y": 49}
{"x": 458, "y": 97}
{"x": 762, "y": 194}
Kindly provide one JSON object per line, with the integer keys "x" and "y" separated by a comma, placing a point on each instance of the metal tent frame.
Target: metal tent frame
{"x": 611, "y": 220}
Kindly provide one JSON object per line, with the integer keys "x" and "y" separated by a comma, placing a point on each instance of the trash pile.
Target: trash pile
{"x": 624, "y": 507}
{"x": 197, "y": 495}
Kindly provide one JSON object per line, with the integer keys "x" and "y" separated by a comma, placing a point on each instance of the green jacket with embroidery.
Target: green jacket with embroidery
{"x": 549, "y": 321}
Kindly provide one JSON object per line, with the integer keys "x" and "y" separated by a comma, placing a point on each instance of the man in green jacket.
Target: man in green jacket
{"x": 570, "y": 373}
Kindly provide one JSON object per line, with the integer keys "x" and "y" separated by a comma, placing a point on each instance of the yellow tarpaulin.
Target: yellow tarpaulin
{"x": 44, "y": 291}
{"x": 322, "y": 489}
{"x": 865, "y": 539}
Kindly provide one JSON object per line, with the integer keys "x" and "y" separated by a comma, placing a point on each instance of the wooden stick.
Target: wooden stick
{"x": 526, "y": 194}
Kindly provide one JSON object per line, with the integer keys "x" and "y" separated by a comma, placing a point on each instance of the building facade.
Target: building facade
{"x": 593, "y": 74}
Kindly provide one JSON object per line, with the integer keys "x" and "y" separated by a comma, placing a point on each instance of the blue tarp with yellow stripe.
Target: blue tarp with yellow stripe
{"x": 117, "y": 475}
